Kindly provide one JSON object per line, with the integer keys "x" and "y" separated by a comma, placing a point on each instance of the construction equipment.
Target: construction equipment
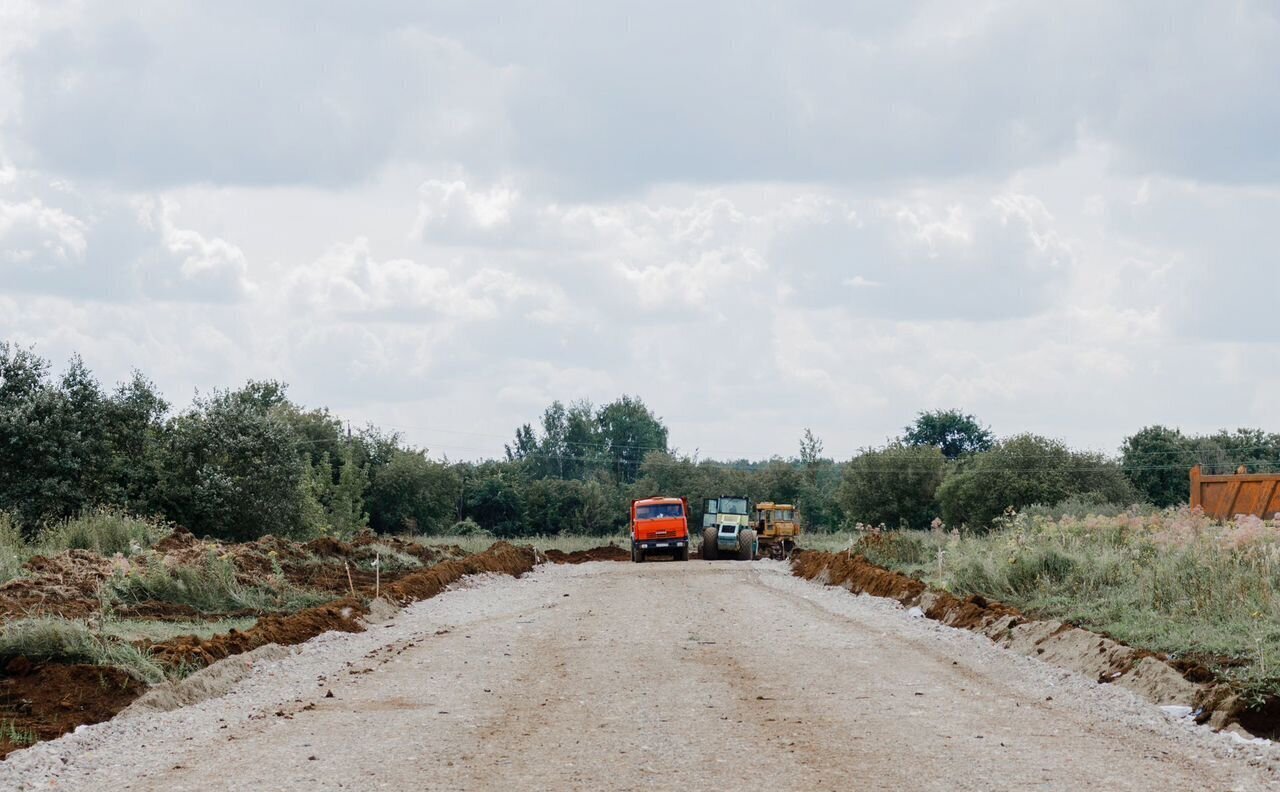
{"x": 1227, "y": 496}
{"x": 777, "y": 528}
{"x": 660, "y": 525}
{"x": 726, "y": 529}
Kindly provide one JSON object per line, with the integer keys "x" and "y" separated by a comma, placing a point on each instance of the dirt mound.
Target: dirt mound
{"x": 189, "y": 650}
{"x": 48, "y": 700}
{"x": 63, "y": 585}
{"x": 1146, "y": 673}
{"x": 602, "y": 553}
{"x": 344, "y": 614}
{"x": 424, "y": 584}
{"x": 180, "y": 539}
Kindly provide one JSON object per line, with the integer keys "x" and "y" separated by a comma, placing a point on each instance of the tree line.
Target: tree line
{"x": 238, "y": 464}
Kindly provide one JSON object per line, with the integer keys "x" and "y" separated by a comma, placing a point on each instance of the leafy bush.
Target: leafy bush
{"x": 467, "y": 527}
{"x": 893, "y": 486}
{"x": 103, "y": 531}
{"x": 413, "y": 494}
{"x": 1026, "y": 470}
{"x": 234, "y": 468}
{"x": 53, "y": 638}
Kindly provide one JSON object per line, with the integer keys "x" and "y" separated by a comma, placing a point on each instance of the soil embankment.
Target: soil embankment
{"x": 1156, "y": 677}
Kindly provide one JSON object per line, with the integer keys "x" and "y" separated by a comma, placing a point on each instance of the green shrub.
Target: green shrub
{"x": 64, "y": 640}
{"x": 103, "y": 531}
{"x": 893, "y": 486}
{"x": 1026, "y": 470}
{"x": 467, "y": 527}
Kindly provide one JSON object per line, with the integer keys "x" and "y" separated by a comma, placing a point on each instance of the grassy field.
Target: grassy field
{"x": 1170, "y": 581}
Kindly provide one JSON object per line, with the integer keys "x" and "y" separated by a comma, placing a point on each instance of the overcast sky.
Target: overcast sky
{"x": 758, "y": 217}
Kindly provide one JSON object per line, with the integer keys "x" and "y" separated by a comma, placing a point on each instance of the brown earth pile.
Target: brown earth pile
{"x": 50, "y": 699}
{"x": 603, "y": 553}
{"x": 343, "y": 614}
{"x": 426, "y": 583}
{"x": 189, "y": 651}
{"x": 1147, "y": 673}
{"x": 62, "y": 585}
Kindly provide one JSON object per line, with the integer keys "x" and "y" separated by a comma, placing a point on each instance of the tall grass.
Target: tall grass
{"x": 14, "y": 552}
{"x": 210, "y": 587}
{"x": 54, "y": 638}
{"x": 1170, "y": 581}
{"x": 103, "y": 531}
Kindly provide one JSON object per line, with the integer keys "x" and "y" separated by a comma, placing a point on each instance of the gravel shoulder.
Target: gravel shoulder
{"x": 705, "y": 675}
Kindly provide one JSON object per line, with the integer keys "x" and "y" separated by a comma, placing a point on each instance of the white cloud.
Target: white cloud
{"x": 825, "y": 215}
{"x": 31, "y": 231}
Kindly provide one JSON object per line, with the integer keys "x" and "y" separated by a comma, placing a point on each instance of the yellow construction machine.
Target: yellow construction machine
{"x": 777, "y": 528}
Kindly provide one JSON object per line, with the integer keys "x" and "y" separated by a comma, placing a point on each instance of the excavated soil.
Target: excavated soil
{"x": 1184, "y": 682}
{"x": 51, "y": 699}
{"x": 602, "y": 553}
{"x": 62, "y": 585}
{"x": 191, "y": 651}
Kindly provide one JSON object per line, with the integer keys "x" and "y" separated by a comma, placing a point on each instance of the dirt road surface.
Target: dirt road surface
{"x": 701, "y": 675}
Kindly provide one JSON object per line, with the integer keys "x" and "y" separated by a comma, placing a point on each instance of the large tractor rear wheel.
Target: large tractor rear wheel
{"x": 709, "y": 550}
{"x": 746, "y": 544}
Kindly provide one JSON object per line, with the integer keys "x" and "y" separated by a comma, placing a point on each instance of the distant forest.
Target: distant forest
{"x": 238, "y": 464}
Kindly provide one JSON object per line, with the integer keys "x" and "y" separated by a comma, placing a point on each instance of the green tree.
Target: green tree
{"x": 953, "y": 432}
{"x": 1158, "y": 460}
{"x": 336, "y": 504}
{"x": 896, "y": 486}
{"x": 233, "y": 468}
{"x": 1026, "y": 470}
{"x": 628, "y": 431}
{"x": 494, "y": 497}
{"x": 413, "y": 493}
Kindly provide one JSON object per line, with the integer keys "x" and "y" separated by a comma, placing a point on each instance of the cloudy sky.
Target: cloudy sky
{"x": 757, "y": 216}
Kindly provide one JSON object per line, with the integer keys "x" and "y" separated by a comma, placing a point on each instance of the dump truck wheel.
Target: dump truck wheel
{"x": 637, "y": 555}
{"x": 682, "y": 554}
{"x": 709, "y": 550}
{"x": 746, "y": 545}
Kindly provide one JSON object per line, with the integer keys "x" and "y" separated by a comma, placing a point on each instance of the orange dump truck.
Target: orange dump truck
{"x": 660, "y": 526}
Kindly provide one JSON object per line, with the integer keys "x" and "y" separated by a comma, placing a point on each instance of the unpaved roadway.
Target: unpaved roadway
{"x": 702, "y": 675}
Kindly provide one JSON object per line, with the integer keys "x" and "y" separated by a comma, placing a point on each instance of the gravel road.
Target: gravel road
{"x": 703, "y": 675}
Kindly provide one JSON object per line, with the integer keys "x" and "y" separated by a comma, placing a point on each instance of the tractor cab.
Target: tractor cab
{"x": 726, "y": 528}
{"x": 777, "y": 527}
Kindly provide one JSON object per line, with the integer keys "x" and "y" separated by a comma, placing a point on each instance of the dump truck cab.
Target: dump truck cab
{"x": 726, "y": 528}
{"x": 660, "y": 526}
{"x": 777, "y": 528}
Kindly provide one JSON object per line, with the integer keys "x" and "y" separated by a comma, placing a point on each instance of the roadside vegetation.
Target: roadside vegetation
{"x": 1166, "y": 580}
{"x": 212, "y": 585}
{"x": 71, "y": 641}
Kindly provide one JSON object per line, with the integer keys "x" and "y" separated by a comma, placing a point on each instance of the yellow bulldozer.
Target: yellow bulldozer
{"x": 777, "y": 528}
